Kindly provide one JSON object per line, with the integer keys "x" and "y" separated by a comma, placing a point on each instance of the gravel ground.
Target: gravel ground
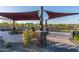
{"x": 50, "y": 47}
{"x": 54, "y": 46}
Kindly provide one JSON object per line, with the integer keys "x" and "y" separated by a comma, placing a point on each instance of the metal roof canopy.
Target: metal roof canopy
{"x": 21, "y": 15}
{"x": 52, "y": 15}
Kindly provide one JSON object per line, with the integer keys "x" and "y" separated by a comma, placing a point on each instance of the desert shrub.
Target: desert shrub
{"x": 76, "y": 37}
{"x": 27, "y": 37}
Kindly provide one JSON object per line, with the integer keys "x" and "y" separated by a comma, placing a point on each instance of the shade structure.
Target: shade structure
{"x": 22, "y": 15}
{"x": 52, "y": 15}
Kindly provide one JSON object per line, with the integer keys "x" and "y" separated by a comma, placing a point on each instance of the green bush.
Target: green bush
{"x": 76, "y": 37}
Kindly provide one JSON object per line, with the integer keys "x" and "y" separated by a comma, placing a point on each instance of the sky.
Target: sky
{"x": 74, "y": 19}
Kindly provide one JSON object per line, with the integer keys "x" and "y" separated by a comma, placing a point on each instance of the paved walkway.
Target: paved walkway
{"x": 61, "y": 37}
{"x": 10, "y": 38}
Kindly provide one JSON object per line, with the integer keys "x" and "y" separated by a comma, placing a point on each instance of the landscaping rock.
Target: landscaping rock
{"x": 8, "y": 44}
